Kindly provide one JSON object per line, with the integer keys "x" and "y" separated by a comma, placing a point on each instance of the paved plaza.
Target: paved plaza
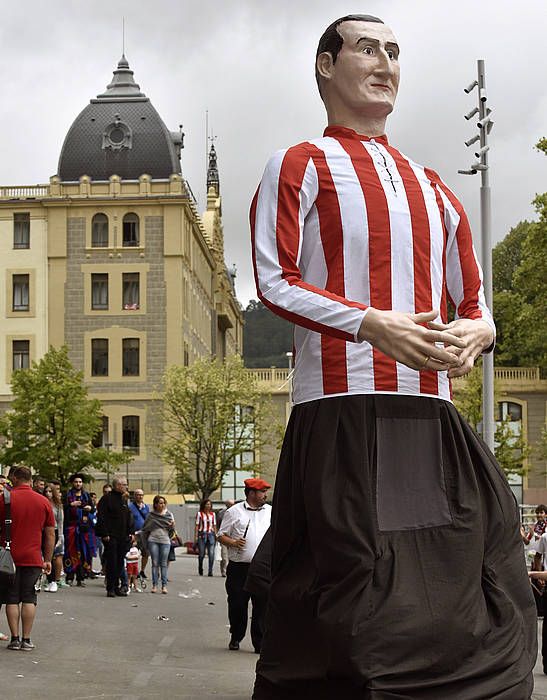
{"x": 90, "y": 647}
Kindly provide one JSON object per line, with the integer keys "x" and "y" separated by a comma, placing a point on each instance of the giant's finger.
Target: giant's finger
{"x": 442, "y": 355}
{"x": 445, "y": 337}
{"x": 435, "y": 326}
{"x": 434, "y": 365}
{"x": 424, "y": 316}
{"x": 465, "y": 368}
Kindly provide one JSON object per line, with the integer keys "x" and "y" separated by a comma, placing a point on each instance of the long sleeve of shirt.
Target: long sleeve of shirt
{"x": 285, "y": 199}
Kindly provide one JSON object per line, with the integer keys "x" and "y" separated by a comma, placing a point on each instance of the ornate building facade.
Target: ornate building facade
{"x": 113, "y": 259}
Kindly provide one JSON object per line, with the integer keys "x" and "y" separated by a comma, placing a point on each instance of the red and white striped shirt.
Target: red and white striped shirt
{"x": 346, "y": 222}
{"x": 206, "y": 522}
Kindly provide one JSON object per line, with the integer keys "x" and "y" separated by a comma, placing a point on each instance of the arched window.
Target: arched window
{"x": 99, "y": 231}
{"x": 130, "y": 231}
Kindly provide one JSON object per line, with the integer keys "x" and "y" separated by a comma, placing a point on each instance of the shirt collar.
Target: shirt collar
{"x": 247, "y": 507}
{"x": 343, "y": 132}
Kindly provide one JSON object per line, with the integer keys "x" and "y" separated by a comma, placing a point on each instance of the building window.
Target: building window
{"x": 21, "y": 354}
{"x": 99, "y": 231}
{"x": 130, "y": 283}
{"x": 20, "y": 292}
{"x": 21, "y": 230}
{"x": 233, "y": 484}
{"x": 130, "y": 359}
{"x": 511, "y": 410}
{"x": 99, "y": 290}
{"x": 99, "y": 357}
{"x": 101, "y": 436}
{"x": 130, "y": 432}
{"x": 130, "y": 231}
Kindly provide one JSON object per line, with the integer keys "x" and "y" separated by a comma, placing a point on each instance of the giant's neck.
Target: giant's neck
{"x": 339, "y": 114}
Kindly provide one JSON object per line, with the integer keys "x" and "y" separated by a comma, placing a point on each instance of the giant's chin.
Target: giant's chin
{"x": 377, "y": 108}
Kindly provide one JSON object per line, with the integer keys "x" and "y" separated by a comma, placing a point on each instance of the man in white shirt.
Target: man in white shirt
{"x": 243, "y": 527}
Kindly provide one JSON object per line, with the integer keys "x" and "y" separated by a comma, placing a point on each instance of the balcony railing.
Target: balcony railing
{"x": 276, "y": 377}
{"x": 24, "y": 191}
{"x": 518, "y": 374}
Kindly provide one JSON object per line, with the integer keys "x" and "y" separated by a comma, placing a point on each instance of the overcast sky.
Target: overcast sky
{"x": 250, "y": 64}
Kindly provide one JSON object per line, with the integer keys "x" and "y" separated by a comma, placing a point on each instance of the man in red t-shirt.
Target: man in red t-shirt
{"x": 32, "y": 542}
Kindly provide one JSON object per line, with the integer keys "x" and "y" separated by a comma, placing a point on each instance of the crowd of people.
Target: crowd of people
{"x": 54, "y": 538}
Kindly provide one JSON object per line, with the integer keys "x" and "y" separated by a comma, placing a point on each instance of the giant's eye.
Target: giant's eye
{"x": 392, "y": 54}
{"x": 368, "y": 50}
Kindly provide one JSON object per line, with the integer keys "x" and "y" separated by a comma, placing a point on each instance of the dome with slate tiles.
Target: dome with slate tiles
{"x": 120, "y": 133}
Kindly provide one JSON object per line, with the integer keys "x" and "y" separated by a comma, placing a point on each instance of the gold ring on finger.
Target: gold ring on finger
{"x": 425, "y": 362}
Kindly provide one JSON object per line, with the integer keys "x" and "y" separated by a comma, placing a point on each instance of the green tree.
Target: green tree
{"x": 212, "y": 413}
{"x": 468, "y": 398}
{"x": 520, "y": 294}
{"x": 52, "y": 423}
{"x": 510, "y": 448}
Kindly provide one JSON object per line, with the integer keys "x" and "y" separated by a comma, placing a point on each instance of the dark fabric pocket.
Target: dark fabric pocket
{"x": 410, "y": 485}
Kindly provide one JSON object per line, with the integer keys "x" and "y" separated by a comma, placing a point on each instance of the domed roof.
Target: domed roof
{"x": 119, "y": 133}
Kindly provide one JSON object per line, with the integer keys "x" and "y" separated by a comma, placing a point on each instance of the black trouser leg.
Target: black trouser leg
{"x": 111, "y": 557}
{"x": 257, "y": 620}
{"x": 238, "y": 598}
{"x": 121, "y": 551}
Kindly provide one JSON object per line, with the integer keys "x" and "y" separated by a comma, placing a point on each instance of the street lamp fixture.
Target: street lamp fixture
{"x": 484, "y": 124}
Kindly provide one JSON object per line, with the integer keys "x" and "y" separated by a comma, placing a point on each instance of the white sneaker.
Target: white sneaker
{"x": 51, "y": 587}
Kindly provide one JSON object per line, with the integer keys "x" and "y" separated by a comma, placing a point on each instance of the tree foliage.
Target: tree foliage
{"x": 212, "y": 414}
{"x": 520, "y": 294}
{"x": 267, "y": 338}
{"x": 51, "y": 424}
{"x": 510, "y": 448}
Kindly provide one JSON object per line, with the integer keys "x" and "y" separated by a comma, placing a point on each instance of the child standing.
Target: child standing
{"x": 132, "y": 567}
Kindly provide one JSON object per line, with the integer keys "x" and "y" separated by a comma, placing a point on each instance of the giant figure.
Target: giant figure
{"x": 397, "y": 564}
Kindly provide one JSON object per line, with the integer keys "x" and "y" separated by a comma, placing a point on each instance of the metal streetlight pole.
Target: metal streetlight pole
{"x": 484, "y": 125}
{"x": 289, "y": 356}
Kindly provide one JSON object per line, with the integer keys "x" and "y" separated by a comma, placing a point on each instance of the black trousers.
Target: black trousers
{"x": 238, "y": 604}
{"x": 114, "y": 553}
{"x": 397, "y": 564}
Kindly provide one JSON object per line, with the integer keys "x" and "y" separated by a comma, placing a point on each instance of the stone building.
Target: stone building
{"x": 113, "y": 259}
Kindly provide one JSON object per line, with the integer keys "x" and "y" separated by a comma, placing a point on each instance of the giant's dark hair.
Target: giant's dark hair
{"x": 331, "y": 40}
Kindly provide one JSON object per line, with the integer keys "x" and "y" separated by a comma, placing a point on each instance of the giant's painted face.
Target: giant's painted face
{"x": 365, "y": 76}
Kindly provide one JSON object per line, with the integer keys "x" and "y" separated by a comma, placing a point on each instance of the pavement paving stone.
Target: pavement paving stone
{"x": 117, "y": 649}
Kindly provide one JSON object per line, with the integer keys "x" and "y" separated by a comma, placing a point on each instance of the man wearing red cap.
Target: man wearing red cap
{"x": 242, "y": 530}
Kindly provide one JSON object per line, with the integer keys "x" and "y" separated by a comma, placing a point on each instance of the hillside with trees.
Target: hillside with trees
{"x": 267, "y": 338}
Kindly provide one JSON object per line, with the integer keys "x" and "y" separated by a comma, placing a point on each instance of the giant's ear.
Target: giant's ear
{"x": 325, "y": 65}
